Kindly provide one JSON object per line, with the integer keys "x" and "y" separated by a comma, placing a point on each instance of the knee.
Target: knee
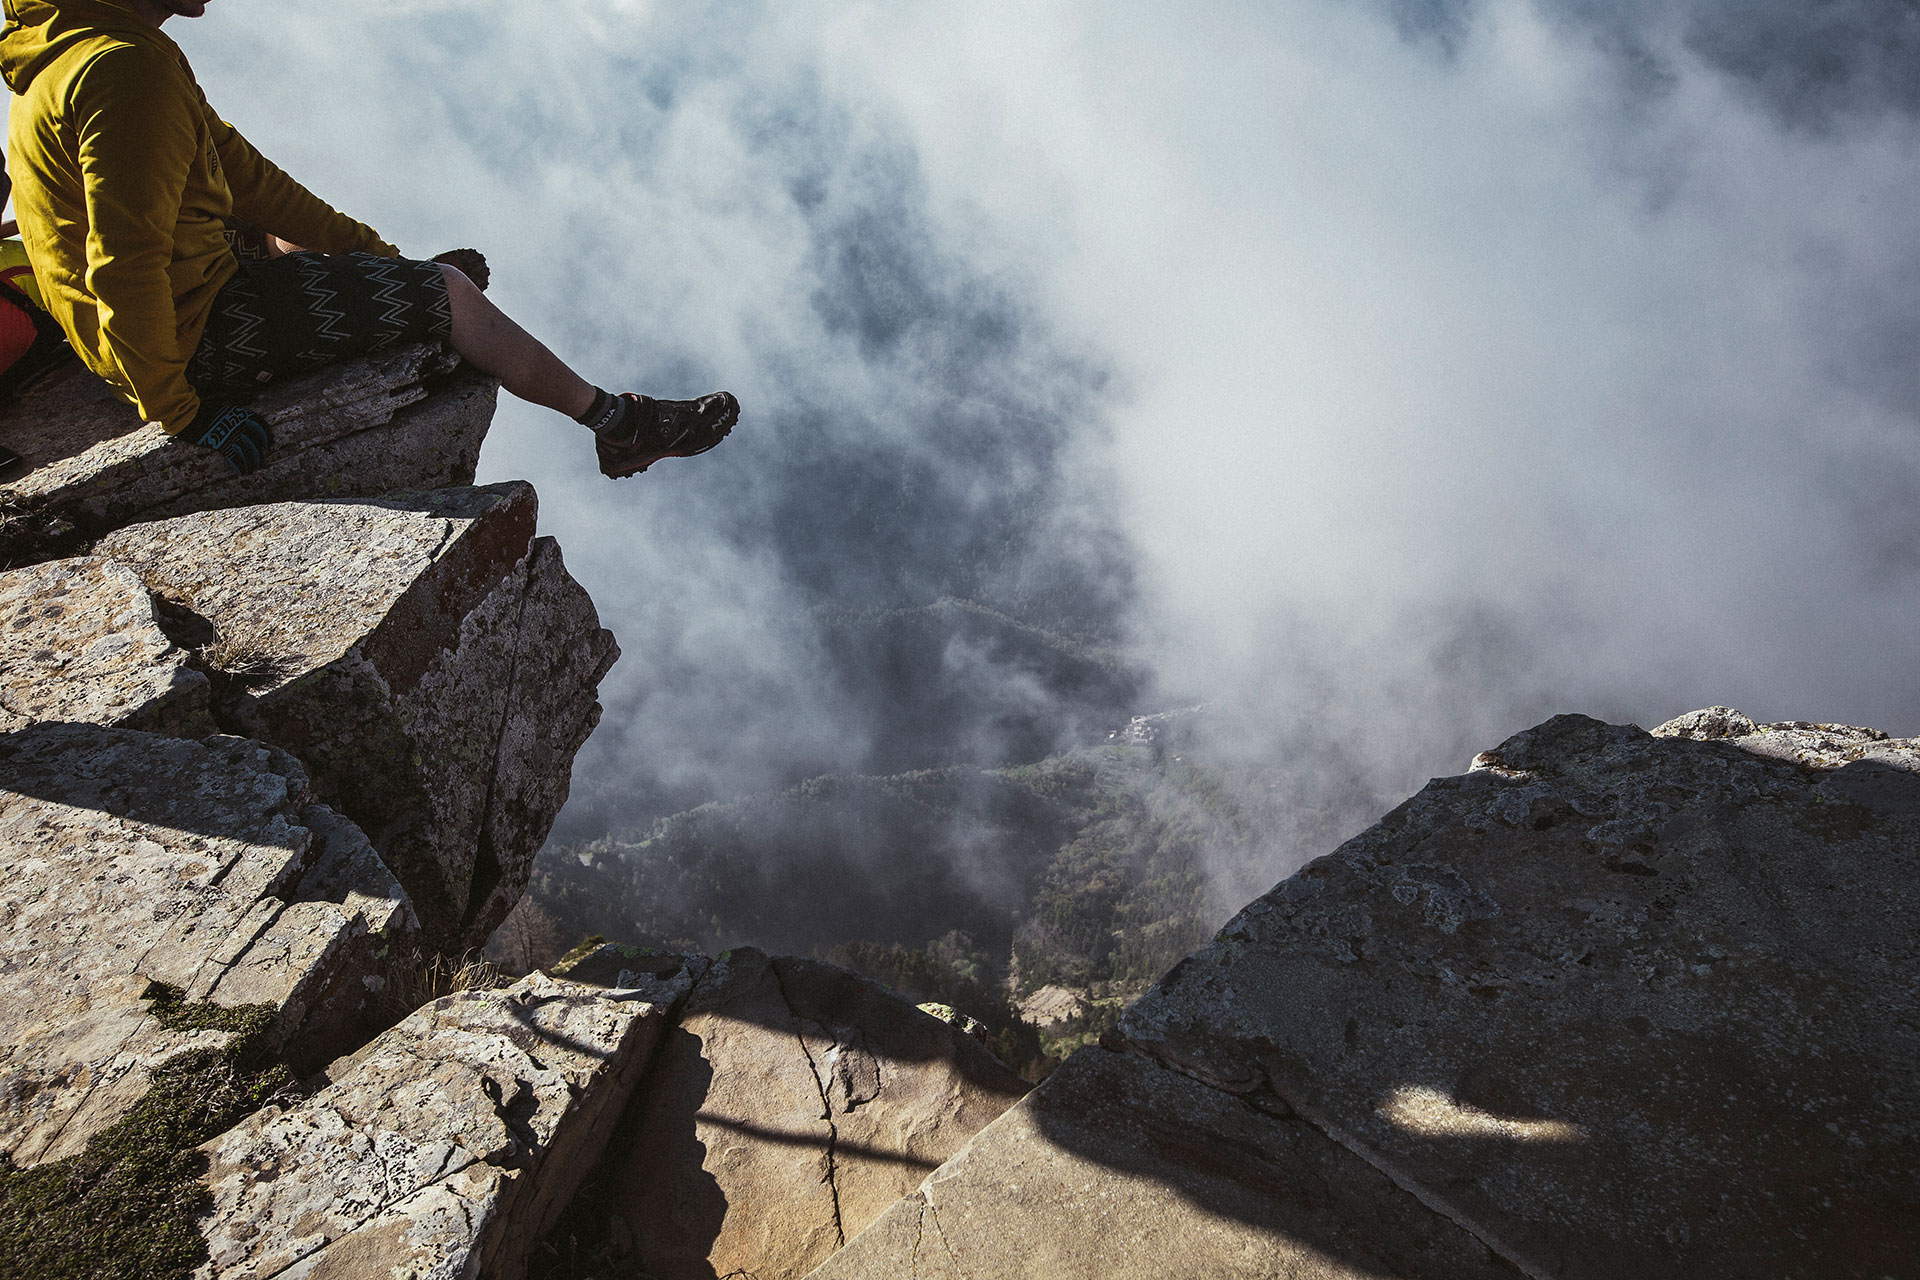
{"x": 459, "y": 288}
{"x": 471, "y": 310}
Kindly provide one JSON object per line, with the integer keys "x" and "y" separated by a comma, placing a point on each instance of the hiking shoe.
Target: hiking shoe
{"x": 655, "y": 429}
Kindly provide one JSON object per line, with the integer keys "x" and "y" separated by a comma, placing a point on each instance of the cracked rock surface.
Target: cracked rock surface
{"x": 425, "y": 656}
{"x": 790, "y": 1107}
{"x": 134, "y": 859}
{"x": 1616, "y": 1003}
{"x": 78, "y": 641}
{"x": 444, "y": 1148}
{"x": 1118, "y": 1167}
{"x": 405, "y": 418}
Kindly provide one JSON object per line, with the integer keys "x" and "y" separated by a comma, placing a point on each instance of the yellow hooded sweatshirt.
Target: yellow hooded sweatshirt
{"x": 123, "y": 177}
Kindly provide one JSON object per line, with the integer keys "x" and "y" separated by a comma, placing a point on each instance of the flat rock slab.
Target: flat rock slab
{"x": 790, "y": 1107}
{"x": 1118, "y": 1167}
{"x": 442, "y": 1150}
{"x": 406, "y": 418}
{"x": 426, "y": 657}
{"x": 78, "y": 641}
{"x": 133, "y": 859}
{"x": 1621, "y": 1005}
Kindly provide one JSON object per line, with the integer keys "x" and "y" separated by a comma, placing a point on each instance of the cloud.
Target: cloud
{"x": 1814, "y": 66}
{"x": 1414, "y": 339}
{"x": 677, "y": 198}
{"x": 1391, "y": 375}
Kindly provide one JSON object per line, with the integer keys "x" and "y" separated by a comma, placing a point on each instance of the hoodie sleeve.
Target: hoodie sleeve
{"x": 265, "y": 196}
{"x": 138, "y": 132}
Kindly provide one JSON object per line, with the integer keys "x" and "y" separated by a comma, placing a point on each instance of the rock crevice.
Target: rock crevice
{"x": 821, "y": 1083}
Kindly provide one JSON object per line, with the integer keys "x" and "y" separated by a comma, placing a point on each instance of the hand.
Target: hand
{"x": 470, "y": 263}
{"x": 237, "y": 434}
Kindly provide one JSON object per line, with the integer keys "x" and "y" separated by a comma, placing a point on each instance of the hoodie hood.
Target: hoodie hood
{"x": 38, "y": 31}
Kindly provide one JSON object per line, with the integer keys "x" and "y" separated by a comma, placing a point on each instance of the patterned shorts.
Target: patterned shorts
{"x": 291, "y": 314}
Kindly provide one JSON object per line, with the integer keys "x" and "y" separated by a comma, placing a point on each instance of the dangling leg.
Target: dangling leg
{"x": 631, "y": 432}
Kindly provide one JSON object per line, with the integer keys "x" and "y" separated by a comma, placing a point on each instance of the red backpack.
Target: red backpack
{"x": 31, "y": 342}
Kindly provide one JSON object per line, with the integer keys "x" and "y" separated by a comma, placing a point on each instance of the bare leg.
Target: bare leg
{"x": 491, "y": 343}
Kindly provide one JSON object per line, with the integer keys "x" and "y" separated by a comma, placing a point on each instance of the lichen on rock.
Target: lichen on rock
{"x": 444, "y": 1148}
{"x": 137, "y": 859}
{"x": 127, "y": 1207}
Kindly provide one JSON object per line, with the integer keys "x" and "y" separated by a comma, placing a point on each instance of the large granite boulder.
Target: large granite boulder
{"x": 138, "y": 864}
{"x": 1611, "y": 1004}
{"x": 1618, "y": 1004}
{"x": 406, "y": 418}
{"x": 792, "y": 1104}
{"x": 442, "y": 1150}
{"x": 425, "y": 656}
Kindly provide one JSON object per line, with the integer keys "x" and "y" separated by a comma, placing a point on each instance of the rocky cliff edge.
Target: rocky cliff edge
{"x": 275, "y": 754}
{"x": 1610, "y": 1004}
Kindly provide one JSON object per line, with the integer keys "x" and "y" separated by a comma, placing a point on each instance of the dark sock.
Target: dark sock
{"x": 606, "y": 413}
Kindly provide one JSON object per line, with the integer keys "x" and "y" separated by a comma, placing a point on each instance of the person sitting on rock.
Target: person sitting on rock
{"x": 126, "y": 185}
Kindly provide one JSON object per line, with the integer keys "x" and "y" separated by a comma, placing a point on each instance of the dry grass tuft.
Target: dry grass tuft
{"x": 415, "y": 979}
{"x": 246, "y": 660}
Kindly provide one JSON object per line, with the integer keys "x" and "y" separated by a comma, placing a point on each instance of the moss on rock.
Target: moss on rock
{"x": 128, "y": 1206}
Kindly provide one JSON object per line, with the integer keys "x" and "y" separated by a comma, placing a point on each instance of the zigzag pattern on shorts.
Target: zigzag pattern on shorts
{"x": 306, "y": 309}
{"x": 440, "y": 308}
{"x": 390, "y": 294}
{"x": 241, "y": 346}
{"x": 330, "y": 328}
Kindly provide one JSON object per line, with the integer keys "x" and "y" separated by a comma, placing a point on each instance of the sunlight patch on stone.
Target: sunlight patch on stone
{"x": 1433, "y": 1114}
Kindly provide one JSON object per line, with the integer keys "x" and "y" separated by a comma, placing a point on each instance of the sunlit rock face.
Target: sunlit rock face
{"x": 444, "y": 1148}
{"x": 429, "y": 661}
{"x": 408, "y": 418}
{"x": 134, "y": 860}
{"x": 190, "y": 709}
{"x": 426, "y": 657}
{"x": 1612, "y": 1003}
{"x": 728, "y": 1116}
{"x": 792, "y": 1105}
{"x": 79, "y": 642}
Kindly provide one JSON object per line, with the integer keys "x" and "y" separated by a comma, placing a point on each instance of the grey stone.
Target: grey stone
{"x": 134, "y": 859}
{"x": 791, "y": 1106}
{"x": 1617, "y": 1004}
{"x": 425, "y": 656}
{"x": 1707, "y": 725}
{"x": 328, "y": 958}
{"x": 1118, "y": 1167}
{"x": 406, "y": 418}
{"x": 1817, "y": 746}
{"x": 613, "y": 964}
{"x": 444, "y": 1149}
{"x": 78, "y": 641}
